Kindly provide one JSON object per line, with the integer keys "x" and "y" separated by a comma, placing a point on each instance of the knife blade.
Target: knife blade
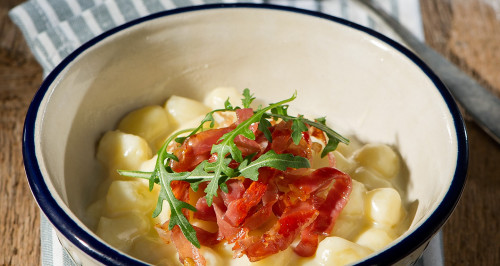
{"x": 482, "y": 105}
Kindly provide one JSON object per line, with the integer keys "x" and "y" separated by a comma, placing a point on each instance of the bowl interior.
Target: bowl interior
{"x": 363, "y": 85}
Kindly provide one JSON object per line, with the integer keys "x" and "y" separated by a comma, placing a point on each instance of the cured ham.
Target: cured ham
{"x": 266, "y": 216}
{"x": 197, "y": 149}
{"x": 246, "y": 184}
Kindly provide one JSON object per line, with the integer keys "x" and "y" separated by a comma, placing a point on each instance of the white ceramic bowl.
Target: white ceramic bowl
{"x": 366, "y": 84}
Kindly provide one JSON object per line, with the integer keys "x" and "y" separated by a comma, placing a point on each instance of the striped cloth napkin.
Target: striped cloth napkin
{"x": 55, "y": 28}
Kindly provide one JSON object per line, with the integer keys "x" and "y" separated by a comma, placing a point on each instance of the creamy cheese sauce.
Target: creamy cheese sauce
{"x": 374, "y": 216}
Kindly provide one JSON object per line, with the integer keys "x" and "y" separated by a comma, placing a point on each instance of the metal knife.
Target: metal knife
{"x": 478, "y": 102}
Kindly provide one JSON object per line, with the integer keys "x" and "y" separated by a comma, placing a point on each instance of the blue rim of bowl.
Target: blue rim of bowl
{"x": 107, "y": 255}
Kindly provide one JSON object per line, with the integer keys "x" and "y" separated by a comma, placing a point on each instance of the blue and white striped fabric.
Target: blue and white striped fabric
{"x": 55, "y": 28}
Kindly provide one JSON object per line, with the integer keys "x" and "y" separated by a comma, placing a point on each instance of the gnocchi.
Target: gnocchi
{"x": 183, "y": 109}
{"x": 384, "y": 206}
{"x": 380, "y": 158}
{"x": 120, "y": 232}
{"x": 150, "y": 123}
{"x": 371, "y": 219}
{"x": 338, "y": 251}
{"x": 118, "y": 150}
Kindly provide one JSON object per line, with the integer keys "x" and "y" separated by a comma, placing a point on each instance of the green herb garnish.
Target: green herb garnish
{"x": 218, "y": 172}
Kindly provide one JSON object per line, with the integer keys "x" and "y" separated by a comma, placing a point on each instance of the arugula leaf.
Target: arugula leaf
{"x": 227, "y": 146}
{"x": 176, "y": 206}
{"x": 321, "y": 120}
{"x": 180, "y": 140}
{"x": 330, "y": 146}
{"x": 138, "y": 174}
{"x": 334, "y": 138}
{"x": 271, "y": 159}
{"x": 220, "y": 168}
{"x": 329, "y": 132}
{"x": 298, "y": 127}
{"x": 218, "y": 172}
{"x": 227, "y": 105}
{"x": 198, "y": 175}
{"x": 164, "y": 175}
{"x": 281, "y": 110}
{"x": 247, "y": 98}
{"x": 264, "y": 126}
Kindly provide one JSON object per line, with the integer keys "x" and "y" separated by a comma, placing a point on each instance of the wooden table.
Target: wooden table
{"x": 467, "y": 32}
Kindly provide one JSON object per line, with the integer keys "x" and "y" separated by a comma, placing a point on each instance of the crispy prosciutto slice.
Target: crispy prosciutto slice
{"x": 281, "y": 235}
{"x": 329, "y": 209}
{"x": 227, "y": 231}
{"x": 188, "y": 253}
{"x": 236, "y": 189}
{"x": 309, "y": 217}
{"x": 204, "y": 212}
{"x": 197, "y": 149}
{"x": 283, "y": 142}
{"x": 243, "y": 114}
{"x": 238, "y": 209}
{"x": 264, "y": 211}
{"x": 265, "y": 216}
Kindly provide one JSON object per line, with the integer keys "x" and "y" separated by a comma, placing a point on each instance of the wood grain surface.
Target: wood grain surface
{"x": 465, "y": 31}
{"x": 468, "y": 33}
